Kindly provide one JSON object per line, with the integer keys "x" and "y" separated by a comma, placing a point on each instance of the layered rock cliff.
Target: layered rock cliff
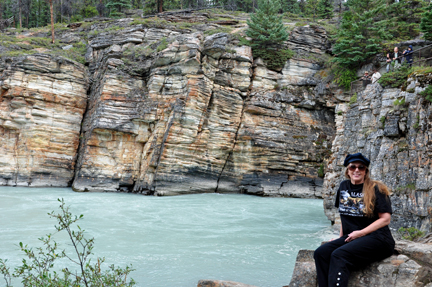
{"x": 43, "y": 100}
{"x": 167, "y": 111}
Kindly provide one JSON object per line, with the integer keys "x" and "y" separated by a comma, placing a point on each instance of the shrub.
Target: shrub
{"x": 353, "y": 99}
{"x": 399, "y": 102}
{"x": 344, "y": 77}
{"x": 427, "y": 93}
{"x": 37, "y": 270}
{"x": 162, "y": 45}
{"x": 382, "y": 120}
{"x": 90, "y": 11}
{"x": 274, "y": 59}
{"x": 396, "y": 78}
{"x": 321, "y": 171}
{"x": 410, "y": 233}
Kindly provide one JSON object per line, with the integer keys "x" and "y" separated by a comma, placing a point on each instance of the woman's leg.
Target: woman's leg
{"x": 322, "y": 256}
{"x": 354, "y": 255}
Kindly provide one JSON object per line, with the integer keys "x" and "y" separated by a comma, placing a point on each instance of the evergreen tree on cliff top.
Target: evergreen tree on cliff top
{"x": 357, "y": 38}
{"x": 265, "y": 27}
{"x": 426, "y": 24}
{"x": 325, "y": 9}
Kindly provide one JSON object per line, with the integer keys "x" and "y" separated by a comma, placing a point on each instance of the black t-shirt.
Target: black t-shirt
{"x": 349, "y": 200}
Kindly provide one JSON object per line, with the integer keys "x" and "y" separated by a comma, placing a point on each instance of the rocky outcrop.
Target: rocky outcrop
{"x": 43, "y": 100}
{"x": 199, "y": 116}
{"x": 411, "y": 266}
{"x": 390, "y": 127}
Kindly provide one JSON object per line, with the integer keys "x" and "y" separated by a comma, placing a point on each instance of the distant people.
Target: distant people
{"x": 408, "y": 53}
{"x": 393, "y": 58}
{"x": 366, "y": 79}
{"x": 375, "y": 76}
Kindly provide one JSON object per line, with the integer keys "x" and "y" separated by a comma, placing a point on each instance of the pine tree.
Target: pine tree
{"x": 265, "y": 27}
{"x": 311, "y": 8}
{"x": 325, "y": 9}
{"x": 357, "y": 38}
{"x": 291, "y": 6}
{"x": 117, "y": 6}
{"x": 426, "y": 24}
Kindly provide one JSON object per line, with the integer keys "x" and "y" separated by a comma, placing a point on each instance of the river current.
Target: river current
{"x": 173, "y": 241}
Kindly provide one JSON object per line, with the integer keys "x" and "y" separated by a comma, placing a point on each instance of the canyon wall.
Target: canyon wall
{"x": 43, "y": 100}
{"x": 168, "y": 111}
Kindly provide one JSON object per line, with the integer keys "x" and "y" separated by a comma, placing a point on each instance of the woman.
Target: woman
{"x": 365, "y": 212}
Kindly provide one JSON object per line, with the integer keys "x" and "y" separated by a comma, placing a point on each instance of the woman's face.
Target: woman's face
{"x": 357, "y": 172}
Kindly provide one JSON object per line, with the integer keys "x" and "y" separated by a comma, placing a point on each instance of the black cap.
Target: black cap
{"x": 356, "y": 157}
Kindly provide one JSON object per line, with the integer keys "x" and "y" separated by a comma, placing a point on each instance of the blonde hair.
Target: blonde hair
{"x": 369, "y": 192}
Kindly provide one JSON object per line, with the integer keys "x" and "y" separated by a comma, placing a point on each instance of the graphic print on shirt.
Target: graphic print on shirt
{"x": 351, "y": 204}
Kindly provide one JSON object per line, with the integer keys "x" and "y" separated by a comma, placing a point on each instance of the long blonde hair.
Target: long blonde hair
{"x": 369, "y": 192}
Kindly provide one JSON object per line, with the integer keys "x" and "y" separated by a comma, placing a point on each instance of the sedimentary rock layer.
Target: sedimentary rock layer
{"x": 42, "y": 102}
{"x": 197, "y": 116}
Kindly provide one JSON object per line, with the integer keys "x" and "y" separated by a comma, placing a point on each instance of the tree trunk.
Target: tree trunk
{"x": 160, "y": 4}
{"x": 1, "y": 11}
{"x": 19, "y": 13}
{"x": 52, "y": 19}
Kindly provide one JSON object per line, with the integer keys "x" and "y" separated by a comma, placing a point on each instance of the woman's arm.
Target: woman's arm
{"x": 384, "y": 220}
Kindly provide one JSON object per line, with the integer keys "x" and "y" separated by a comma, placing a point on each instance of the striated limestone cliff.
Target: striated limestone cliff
{"x": 43, "y": 99}
{"x": 173, "y": 111}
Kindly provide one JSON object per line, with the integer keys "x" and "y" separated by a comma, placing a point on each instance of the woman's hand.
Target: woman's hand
{"x": 384, "y": 220}
{"x": 354, "y": 235}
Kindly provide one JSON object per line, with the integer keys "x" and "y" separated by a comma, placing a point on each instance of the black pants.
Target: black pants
{"x": 336, "y": 259}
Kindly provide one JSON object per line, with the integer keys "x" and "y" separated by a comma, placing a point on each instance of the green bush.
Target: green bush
{"x": 396, "y": 78}
{"x": 410, "y": 233}
{"x": 162, "y": 45}
{"x": 353, "y": 99}
{"x": 274, "y": 59}
{"x": 427, "y": 93}
{"x": 90, "y": 11}
{"x": 37, "y": 269}
{"x": 344, "y": 77}
{"x": 399, "y": 102}
{"x": 321, "y": 171}
{"x": 382, "y": 120}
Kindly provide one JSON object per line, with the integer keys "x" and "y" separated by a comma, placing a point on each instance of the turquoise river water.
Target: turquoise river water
{"x": 173, "y": 241}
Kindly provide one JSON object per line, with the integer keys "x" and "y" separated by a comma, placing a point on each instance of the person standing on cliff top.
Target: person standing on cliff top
{"x": 365, "y": 211}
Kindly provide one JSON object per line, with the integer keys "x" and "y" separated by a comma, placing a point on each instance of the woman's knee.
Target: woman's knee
{"x": 340, "y": 254}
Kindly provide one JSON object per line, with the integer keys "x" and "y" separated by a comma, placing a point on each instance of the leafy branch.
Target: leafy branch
{"x": 36, "y": 270}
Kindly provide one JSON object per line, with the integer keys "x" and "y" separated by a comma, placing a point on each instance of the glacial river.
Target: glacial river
{"x": 173, "y": 241}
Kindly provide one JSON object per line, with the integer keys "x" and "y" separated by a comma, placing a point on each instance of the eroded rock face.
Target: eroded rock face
{"x": 43, "y": 99}
{"x": 189, "y": 119}
{"x": 169, "y": 111}
{"x": 395, "y": 137}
